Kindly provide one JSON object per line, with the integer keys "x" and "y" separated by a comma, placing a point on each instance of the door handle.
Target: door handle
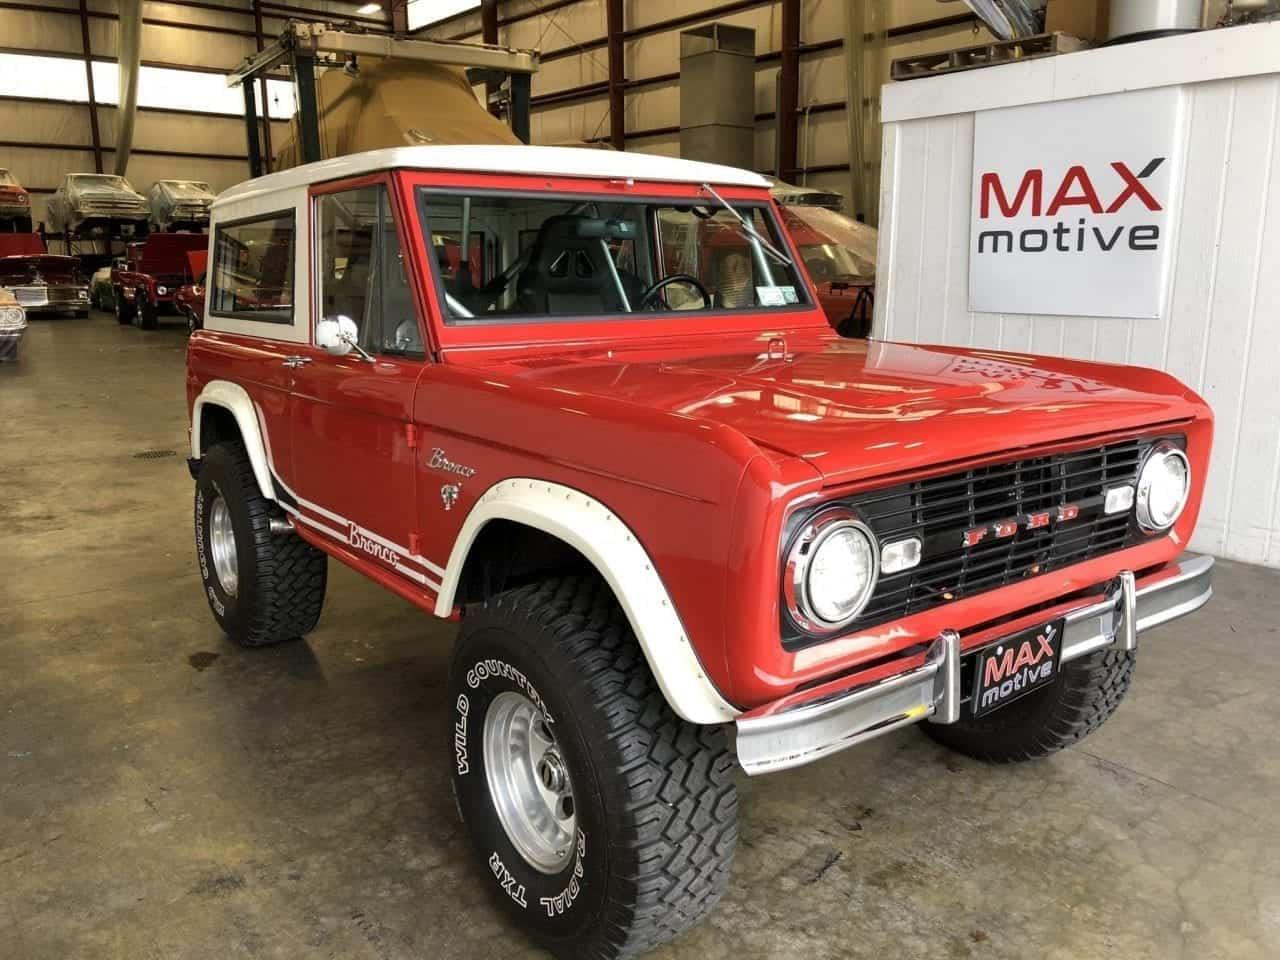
{"x": 295, "y": 361}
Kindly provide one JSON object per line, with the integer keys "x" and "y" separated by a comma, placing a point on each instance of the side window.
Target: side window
{"x": 252, "y": 274}
{"x": 362, "y": 273}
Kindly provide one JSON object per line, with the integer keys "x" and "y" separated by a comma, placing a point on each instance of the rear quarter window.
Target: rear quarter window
{"x": 252, "y": 273}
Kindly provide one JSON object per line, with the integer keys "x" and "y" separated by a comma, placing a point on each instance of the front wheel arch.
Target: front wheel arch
{"x": 614, "y": 553}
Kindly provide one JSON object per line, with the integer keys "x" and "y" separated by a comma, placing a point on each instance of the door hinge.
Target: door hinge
{"x": 411, "y": 435}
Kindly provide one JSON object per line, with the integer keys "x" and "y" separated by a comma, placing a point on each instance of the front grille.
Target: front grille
{"x": 939, "y": 510}
{"x": 31, "y": 296}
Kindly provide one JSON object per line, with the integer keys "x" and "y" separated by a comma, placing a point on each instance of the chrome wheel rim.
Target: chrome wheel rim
{"x": 222, "y": 546}
{"x": 529, "y": 782}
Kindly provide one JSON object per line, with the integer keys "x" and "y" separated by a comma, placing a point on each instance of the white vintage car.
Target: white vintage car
{"x": 179, "y": 204}
{"x": 98, "y": 202}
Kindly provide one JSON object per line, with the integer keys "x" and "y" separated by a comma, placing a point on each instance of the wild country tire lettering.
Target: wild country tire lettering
{"x": 563, "y": 900}
{"x": 505, "y": 880}
{"x": 463, "y": 706}
{"x": 492, "y": 667}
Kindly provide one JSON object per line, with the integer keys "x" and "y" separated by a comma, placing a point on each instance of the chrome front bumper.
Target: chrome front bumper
{"x": 770, "y": 739}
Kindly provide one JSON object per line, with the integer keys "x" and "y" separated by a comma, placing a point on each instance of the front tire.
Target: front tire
{"x": 124, "y": 309}
{"x": 1084, "y": 695}
{"x": 634, "y": 811}
{"x": 262, "y": 587}
{"x": 147, "y": 316}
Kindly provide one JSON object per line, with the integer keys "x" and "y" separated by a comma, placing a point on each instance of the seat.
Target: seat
{"x": 567, "y": 273}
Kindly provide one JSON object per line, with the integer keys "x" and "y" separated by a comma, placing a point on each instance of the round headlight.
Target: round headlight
{"x": 1164, "y": 483}
{"x": 831, "y": 571}
{"x": 162, "y": 290}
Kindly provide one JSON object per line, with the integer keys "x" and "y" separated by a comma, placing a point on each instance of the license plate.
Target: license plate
{"x": 1017, "y": 665}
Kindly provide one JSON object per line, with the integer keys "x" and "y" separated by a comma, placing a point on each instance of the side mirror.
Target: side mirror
{"x": 336, "y": 336}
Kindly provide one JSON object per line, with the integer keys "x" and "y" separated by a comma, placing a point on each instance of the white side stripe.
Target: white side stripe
{"x": 338, "y": 518}
{"x": 342, "y": 538}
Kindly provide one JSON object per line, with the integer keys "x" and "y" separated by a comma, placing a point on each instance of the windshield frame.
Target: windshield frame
{"x": 419, "y": 185}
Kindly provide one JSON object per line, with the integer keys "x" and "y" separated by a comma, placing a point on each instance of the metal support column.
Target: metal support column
{"x": 93, "y": 99}
{"x": 520, "y": 84}
{"x": 251, "y": 131}
{"x": 304, "y": 78}
{"x": 268, "y": 151}
{"x": 789, "y": 91}
{"x": 489, "y": 34}
{"x": 617, "y": 74}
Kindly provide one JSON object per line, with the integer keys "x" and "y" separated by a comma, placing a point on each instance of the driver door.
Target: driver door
{"x": 352, "y": 414}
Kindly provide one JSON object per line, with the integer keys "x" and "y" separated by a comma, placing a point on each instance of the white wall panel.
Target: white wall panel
{"x": 1218, "y": 329}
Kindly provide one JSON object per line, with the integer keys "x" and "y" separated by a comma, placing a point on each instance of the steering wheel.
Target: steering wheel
{"x": 653, "y": 291}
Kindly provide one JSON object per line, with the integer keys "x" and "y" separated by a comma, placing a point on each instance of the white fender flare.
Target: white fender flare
{"x": 601, "y": 536}
{"x": 235, "y": 399}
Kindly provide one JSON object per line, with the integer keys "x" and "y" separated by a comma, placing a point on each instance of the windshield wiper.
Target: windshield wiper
{"x": 748, "y": 229}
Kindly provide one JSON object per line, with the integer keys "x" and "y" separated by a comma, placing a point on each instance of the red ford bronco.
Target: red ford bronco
{"x": 683, "y": 524}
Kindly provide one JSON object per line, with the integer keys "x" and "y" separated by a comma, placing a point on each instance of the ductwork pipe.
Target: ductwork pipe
{"x": 129, "y": 52}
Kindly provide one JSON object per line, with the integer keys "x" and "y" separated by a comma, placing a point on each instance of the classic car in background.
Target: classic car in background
{"x": 43, "y": 283}
{"x": 840, "y": 255}
{"x": 98, "y": 203}
{"x": 13, "y": 322}
{"x": 179, "y": 204}
{"x": 15, "y": 204}
{"x": 101, "y": 293}
{"x": 189, "y": 300}
{"x": 145, "y": 285}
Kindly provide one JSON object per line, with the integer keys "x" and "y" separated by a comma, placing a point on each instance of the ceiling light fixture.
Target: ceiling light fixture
{"x": 370, "y": 8}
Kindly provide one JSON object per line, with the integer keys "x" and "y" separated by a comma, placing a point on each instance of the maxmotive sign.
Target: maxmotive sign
{"x": 1071, "y": 205}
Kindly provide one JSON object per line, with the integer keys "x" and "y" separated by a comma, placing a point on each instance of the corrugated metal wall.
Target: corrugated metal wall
{"x": 43, "y": 140}
{"x": 1221, "y": 329}
{"x": 653, "y": 109}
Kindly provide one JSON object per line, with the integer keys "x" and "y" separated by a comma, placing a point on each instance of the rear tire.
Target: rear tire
{"x": 124, "y": 309}
{"x": 263, "y": 587}
{"x": 645, "y": 849}
{"x": 1083, "y": 697}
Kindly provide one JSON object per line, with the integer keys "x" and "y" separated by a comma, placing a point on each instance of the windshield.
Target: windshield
{"x": 6, "y": 178}
{"x": 833, "y": 246}
{"x": 187, "y": 189}
{"x": 530, "y": 258}
{"x": 100, "y": 180}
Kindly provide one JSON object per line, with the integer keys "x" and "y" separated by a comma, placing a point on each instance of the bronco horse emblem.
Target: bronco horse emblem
{"x": 449, "y": 495}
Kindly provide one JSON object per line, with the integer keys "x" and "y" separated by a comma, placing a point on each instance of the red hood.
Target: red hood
{"x": 856, "y": 409}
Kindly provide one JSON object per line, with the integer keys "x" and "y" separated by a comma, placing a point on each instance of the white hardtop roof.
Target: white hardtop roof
{"x": 502, "y": 158}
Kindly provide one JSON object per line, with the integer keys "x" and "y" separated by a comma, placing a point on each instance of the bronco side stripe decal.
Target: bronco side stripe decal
{"x": 351, "y": 526}
{"x": 340, "y": 538}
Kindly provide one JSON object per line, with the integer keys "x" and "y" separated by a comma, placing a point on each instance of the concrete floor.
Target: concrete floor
{"x": 164, "y": 794}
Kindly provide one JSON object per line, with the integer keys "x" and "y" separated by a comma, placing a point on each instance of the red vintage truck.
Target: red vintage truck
{"x": 153, "y": 271}
{"x": 682, "y": 524}
{"x": 42, "y": 283}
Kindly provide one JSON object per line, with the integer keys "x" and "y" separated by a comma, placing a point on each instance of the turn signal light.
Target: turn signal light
{"x": 1118, "y": 500}
{"x": 900, "y": 555}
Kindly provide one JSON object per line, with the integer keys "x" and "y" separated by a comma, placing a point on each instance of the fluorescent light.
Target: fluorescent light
{"x": 370, "y": 8}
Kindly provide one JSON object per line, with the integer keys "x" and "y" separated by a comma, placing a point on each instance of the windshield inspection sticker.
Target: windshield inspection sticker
{"x": 771, "y": 296}
{"x": 789, "y": 295}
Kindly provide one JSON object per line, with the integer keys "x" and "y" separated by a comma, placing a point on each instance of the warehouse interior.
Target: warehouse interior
{"x": 169, "y": 790}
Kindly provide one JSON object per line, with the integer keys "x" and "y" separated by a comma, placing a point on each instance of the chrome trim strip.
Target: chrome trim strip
{"x": 769, "y": 741}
